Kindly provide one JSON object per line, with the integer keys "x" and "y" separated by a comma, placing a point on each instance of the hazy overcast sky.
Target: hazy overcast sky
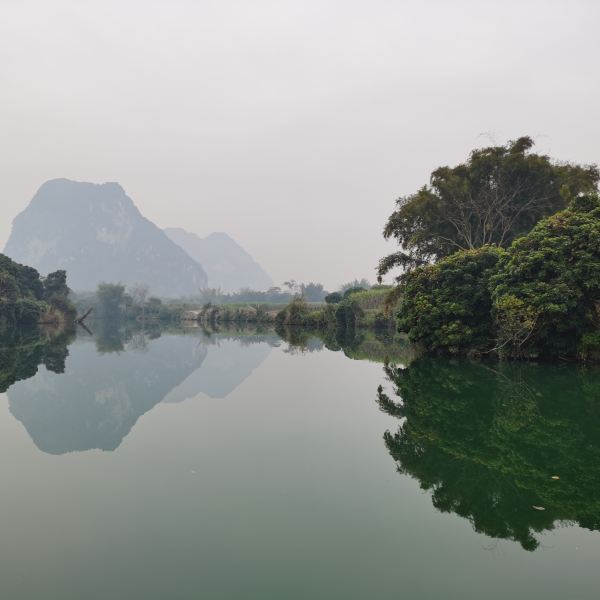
{"x": 292, "y": 125}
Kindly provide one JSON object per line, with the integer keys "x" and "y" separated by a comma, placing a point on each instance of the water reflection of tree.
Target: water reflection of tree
{"x": 117, "y": 336}
{"x": 22, "y": 350}
{"x": 360, "y": 344}
{"x": 489, "y": 443}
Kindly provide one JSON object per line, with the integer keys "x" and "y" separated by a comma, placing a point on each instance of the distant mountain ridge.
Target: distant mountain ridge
{"x": 96, "y": 233}
{"x": 227, "y": 264}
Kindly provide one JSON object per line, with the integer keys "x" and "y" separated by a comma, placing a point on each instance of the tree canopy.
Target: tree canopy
{"x": 546, "y": 293}
{"x": 447, "y": 306}
{"x": 538, "y": 298}
{"x": 25, "y": 297}
{"x": 496, "y": 196}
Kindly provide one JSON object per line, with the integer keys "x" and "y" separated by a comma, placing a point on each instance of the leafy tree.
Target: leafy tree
{"x": 155, "y": 306}
{"x": 25, "y": 297}
{"x": 291, "y": 285}
{"x": 547, "y": 290}
{"x": 363, "y": 284}
{"x": 111, "y": 300}
{"x": 496, "y": 196}
{"x": 55, "y": 285}
{"x": 56, "y": 292}
{"x": 353, "y": 290}
{"x": 333, "y": 298}
{"x": 26, "y": 279}
{"x": 9, "y": 292}
{"x": 313, "y": 292}
{"x": 295, "y": 313}
{"x": 139, "y": 294}
{"x": 447, "y": 307}
{"x": 348, "y": 313}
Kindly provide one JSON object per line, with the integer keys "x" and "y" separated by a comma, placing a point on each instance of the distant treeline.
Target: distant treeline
{"x": 311, "y": 292}
{"x": 116, "y": 301}
{"x": 355, "y": 308}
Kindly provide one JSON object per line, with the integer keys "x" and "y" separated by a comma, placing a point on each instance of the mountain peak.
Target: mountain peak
{"x": 228, "y": 266}
{"x": 96, "y": 233}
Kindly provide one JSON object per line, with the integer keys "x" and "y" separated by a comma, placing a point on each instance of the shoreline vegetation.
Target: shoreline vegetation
{"x": 499, "y": 258}
{"x": 27, "y": 299}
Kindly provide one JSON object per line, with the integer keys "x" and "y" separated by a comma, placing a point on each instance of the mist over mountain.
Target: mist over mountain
{"x": 96, "y": 233}
{"x": 227, "y": 264}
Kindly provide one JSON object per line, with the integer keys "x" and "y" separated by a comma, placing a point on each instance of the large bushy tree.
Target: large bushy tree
{"x": 496, "y": 196}
{"x": 538, "y": 298}
{"x": 25, "y": 297}
{"x": 447, "y": 307}
{"x": 547, "y": 290}
{"x": 111, "y": 300}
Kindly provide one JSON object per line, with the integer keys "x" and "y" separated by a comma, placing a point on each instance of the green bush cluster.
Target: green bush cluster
{"x": 447, "y": 307}
{"x": 358, "y": 307}
{"x": 25, "y": 297}
{"x": 539, "y": 298}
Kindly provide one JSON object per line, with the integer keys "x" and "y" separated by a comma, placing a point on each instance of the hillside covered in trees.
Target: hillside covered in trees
{"x": 26, "y": 297}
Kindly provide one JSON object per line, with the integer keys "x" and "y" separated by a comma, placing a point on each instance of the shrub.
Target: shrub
{"x": 348, "y": 313}
{"x": 353, "y": 290}
{"x": 546, "y": 291}
{"x": 446, "y": 307}
{"x": 333, "y": 298}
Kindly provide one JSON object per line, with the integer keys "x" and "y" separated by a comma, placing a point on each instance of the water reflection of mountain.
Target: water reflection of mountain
{"x": 513, "y": 448}
{"x": 229, "y": 361}
{"x": 101, "y": 394}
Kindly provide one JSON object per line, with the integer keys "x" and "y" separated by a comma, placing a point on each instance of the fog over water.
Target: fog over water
{"x": 293, "y": 126}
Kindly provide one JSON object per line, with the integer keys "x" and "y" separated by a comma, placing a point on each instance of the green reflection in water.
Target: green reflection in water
{"x": 514, "y": 448}
{"x": 23, "y": 350}
{"x": 360, "y": 344}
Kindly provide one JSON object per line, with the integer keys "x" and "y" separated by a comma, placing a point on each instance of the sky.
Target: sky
{"x": 291, "y": 125}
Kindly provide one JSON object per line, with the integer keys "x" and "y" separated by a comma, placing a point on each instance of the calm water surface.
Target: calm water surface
{"x": 240, "y": 465}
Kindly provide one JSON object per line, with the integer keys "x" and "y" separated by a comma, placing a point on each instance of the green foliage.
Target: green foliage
{"x": 360, "y": 344}
{"x": 446, "y": 307}
{"x": 28, "y": 311}
{"x": 333, "y": 298}
{"x": 56, "y": 293}
{"x": 111, "y": 300}
{"x": 490, "y": 445}
{"x": 348, "y": 313}
{"x": 295, "y": 313}
{"x": 353, "y": 290}
{"x": 539, "y": 298}
{"x": 26, "y": 298}
{"x": 362, "y": 308}
{"x": 23, "y": 349}
{"x": 589, "y": 347}
{"x": 313, "y": 292}
{"x": 547, "y": 290}
{"x": 496, "y": 196}
{"x": 356, "y": 283}
{"x": 55, "y": 285}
